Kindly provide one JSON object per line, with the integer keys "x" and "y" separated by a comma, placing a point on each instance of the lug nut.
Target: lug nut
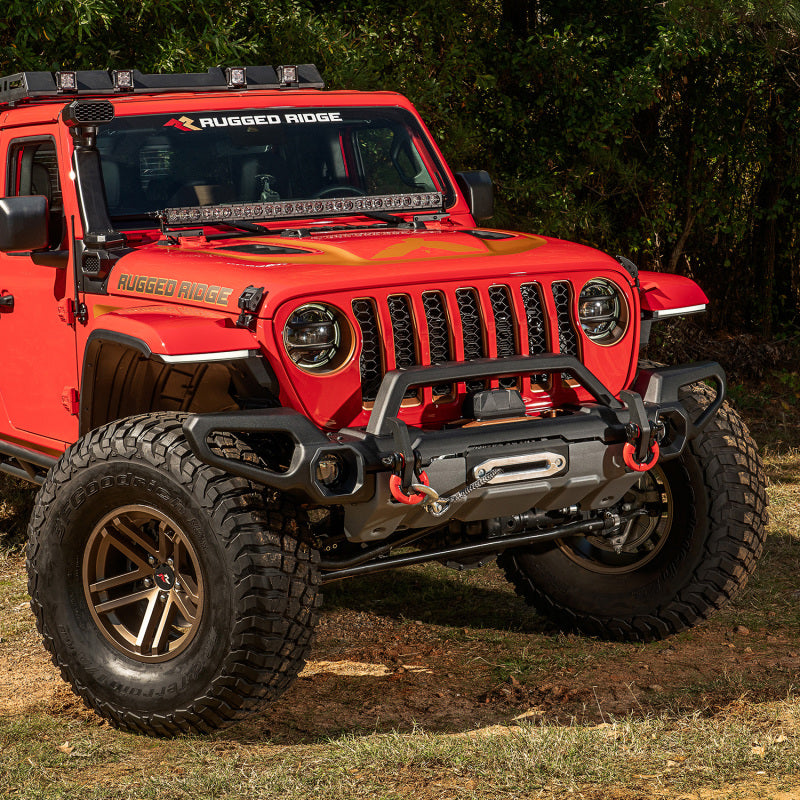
{"x": 147, "y": 583}
{"x": 151, "y": 561}
{"x": 170, "y": 562}
{"x": 163, "y": 597}
{"x": 177, "y": 586}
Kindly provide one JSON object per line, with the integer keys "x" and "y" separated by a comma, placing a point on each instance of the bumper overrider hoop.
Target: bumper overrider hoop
{"x": 588, "y": 456}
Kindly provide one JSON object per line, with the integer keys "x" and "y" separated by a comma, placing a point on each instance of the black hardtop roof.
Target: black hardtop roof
{"x": 45, "y": 85}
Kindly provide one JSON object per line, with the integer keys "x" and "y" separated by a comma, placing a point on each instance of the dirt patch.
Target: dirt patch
{"x": 373, "y": 671}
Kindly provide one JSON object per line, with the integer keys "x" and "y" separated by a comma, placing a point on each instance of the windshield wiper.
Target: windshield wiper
{"x": 385, "y": 216}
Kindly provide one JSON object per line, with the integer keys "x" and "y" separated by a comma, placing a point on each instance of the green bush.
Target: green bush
{"x": 667, "y": 132}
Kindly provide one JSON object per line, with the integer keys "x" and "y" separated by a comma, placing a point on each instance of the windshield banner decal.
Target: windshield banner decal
{"x": 187, "y": 124}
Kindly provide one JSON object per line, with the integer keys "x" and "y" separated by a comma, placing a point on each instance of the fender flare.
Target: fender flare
{"x": 665, "y": 295}
{"x": 171, "y": 339}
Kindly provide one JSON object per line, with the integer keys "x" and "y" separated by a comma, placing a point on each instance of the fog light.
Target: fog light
{"x": 329, "y": 469}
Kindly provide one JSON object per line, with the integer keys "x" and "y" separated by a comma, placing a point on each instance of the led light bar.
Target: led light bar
{"x": 430, "y": 201}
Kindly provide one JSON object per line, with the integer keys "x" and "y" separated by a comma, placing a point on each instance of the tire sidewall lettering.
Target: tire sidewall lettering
{"x": 126, "y": 480}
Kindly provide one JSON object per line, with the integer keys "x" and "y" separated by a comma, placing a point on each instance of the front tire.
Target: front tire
{"x": 171, "y": 597}
{"x": 704, "y": 533}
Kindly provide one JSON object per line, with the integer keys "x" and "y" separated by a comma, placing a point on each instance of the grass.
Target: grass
{"x": 42, "y": 758}
{"x": 711, "y": 713}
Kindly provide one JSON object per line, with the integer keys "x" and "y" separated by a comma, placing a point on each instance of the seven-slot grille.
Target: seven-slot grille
{"x": 475, "y": 314}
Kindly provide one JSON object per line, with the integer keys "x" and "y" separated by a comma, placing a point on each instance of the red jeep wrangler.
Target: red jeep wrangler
{"x": 273, "y": 349}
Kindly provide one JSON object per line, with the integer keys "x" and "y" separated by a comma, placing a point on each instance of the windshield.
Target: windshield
{"x": 160, "y": 161}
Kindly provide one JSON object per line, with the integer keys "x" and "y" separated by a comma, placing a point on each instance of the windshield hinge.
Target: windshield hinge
{"x": 249, "y": 301}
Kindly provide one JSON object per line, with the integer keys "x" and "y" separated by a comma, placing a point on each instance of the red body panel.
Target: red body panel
{"x": 662, "y": 291}
{"x": 182, "y": 298}
{"x": 173, "y": 331}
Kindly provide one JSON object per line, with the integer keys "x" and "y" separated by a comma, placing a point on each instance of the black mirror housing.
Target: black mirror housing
{"x": 478, "y": 188}
{"x": 24, "y": 223}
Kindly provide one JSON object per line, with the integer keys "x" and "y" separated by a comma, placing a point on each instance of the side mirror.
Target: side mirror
{"x": 24, "y": 223}
{"x": 478, "y": 188}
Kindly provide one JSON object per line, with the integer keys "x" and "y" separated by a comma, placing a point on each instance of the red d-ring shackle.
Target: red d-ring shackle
{"x": 629, "y": 457}
{"x": 401, "y": 496}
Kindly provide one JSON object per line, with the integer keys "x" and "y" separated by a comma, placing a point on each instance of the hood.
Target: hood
{"x": 213, "y": 274}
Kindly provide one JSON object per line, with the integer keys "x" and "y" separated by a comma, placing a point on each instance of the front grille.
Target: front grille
{"x": 474, "y": 311}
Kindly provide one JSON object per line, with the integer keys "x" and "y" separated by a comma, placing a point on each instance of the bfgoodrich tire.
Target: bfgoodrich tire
{"x": 171, "y": 597}
{"x": 695, "y": 550}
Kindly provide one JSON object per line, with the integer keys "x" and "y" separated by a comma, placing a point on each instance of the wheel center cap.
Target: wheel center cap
{"x": 164, "y": 577}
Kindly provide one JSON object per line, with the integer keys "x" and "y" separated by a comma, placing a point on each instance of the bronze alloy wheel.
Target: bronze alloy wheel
{"x": 644, "y": 535}
{"x": 143, "y": 584}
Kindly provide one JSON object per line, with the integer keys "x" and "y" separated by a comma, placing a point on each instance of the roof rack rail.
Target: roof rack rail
{"x": 65, "y": 84}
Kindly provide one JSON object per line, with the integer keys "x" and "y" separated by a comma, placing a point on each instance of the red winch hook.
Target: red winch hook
{"x": 630, "y": 447}
{"x": 409, "y": 499}
{"x": 629, "y": 457}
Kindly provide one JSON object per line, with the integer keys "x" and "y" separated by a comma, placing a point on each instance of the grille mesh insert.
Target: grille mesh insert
{"x": 405, "y": 351}
{"x": 472, "y": 330}
{"x": 504, "y": 328}
{"x": 438, "y": 334}
{"x": 534, "y": 317}
{"x": 567, "y": 338}
{"x": 370, "y": 362}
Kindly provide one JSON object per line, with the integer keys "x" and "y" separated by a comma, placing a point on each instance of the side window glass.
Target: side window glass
{"x": 34, "y": 170}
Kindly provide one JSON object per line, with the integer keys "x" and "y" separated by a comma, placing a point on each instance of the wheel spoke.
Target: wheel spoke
{"x": 186, "y": 607}
{"x": 134, "y": 535}
{"x": 128, "y": 552}
{"x": 158, "y": 643}
{"x": 119, "y": 580}
{"x": 111, "y": 605}
{"x": 178, "y": 554}
{"x": 149, "y": 621}
{"x": 190, "y": 587}
{"x": 165, "y": 543}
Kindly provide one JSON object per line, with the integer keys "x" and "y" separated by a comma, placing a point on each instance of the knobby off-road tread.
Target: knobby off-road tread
{"x": 276, "y": 580}
{"x": 736, "y": 512}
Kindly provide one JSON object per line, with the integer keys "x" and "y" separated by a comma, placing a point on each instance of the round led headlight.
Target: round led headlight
{"x": 603, "y": 311}
{"x": 313, "y": 336}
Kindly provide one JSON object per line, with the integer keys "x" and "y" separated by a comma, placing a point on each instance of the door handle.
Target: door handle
{"x": 7, "y": 302}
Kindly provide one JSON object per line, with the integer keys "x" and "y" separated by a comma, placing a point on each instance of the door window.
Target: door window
{"x": 33, "y": 170}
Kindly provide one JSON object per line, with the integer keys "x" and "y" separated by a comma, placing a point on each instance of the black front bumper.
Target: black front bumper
{"x": 587, "y": 444}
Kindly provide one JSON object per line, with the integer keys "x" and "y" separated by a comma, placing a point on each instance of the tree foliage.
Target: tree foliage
{"x": 665, "y": 131}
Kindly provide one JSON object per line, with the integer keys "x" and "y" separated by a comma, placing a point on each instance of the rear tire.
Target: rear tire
{"x": 688, "y": 559}
{"x": 170, "y": 595}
